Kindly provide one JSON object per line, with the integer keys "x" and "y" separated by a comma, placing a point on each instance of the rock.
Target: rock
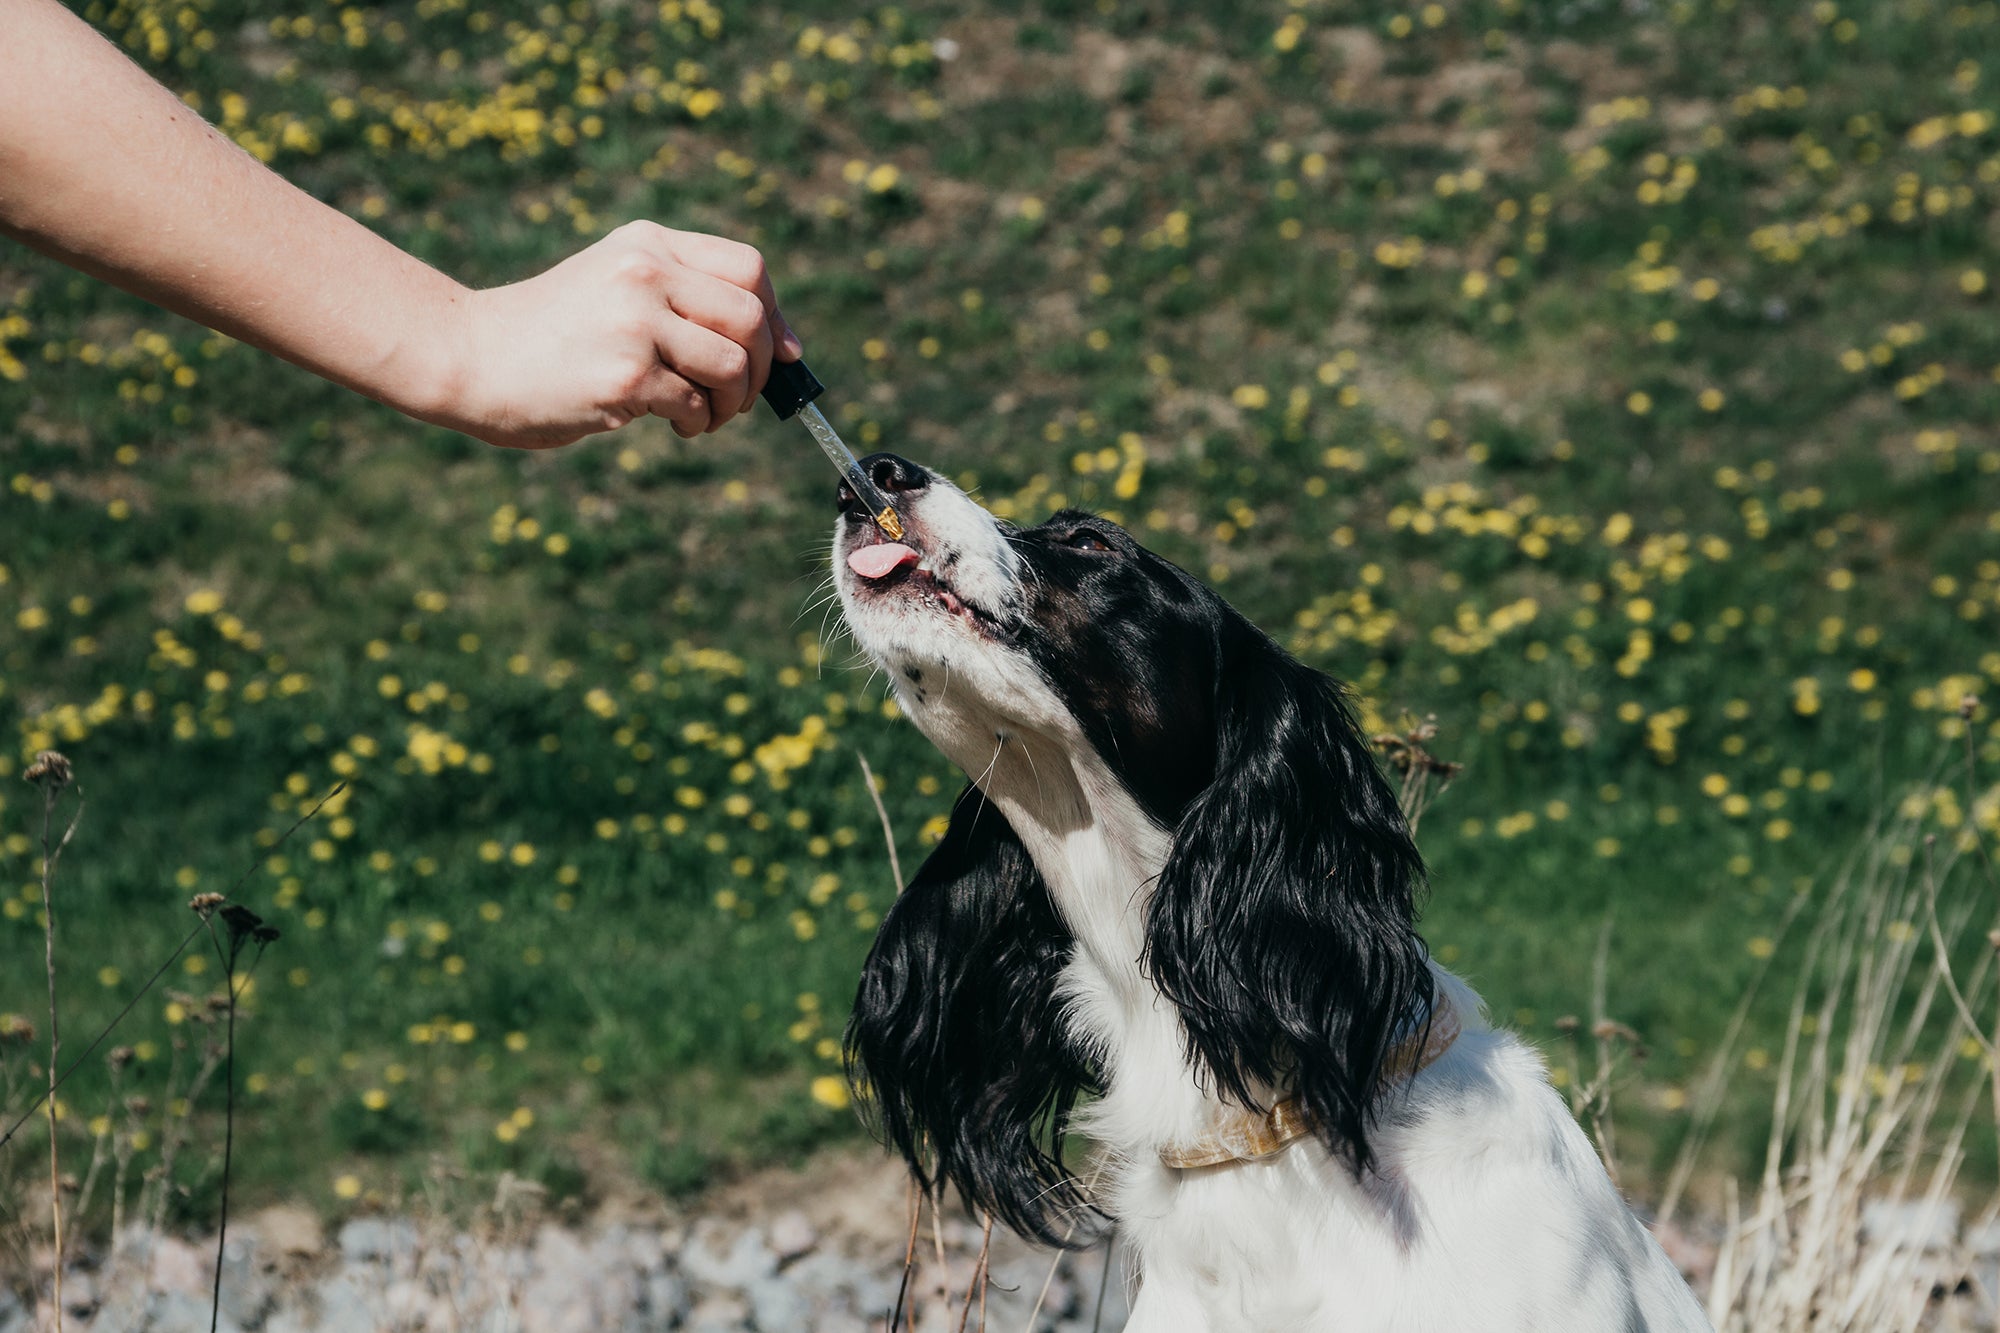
{"x": 79, "y": 1292}
{"x": 841, "y": 1322}
{"x": 731, "y": 1265}
{"x": 719, "y": 1314}
{"x": 408, "y": 1303}
{"x": 249, "y": 1287}
{"x": 557, "y": 1298}
{"x": 376, "y": 1240}
{"x": 345, "y": 1303}
{"x": 178, "y": 1312}
{"x": 792, "y": 1235}
{"x": 778, "y": 1306}
{"x": 666, "y": 1299}
{"x": 287, "y": 1231}
{"x": 176, "y": 1266}
{"x": 1911, "y": 1224}
{"x": 124, "y": 1307}
{"x": 14, "y": 1316}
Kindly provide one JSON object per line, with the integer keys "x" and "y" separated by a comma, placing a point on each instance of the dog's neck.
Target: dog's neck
{"x": 1099, "y": 854}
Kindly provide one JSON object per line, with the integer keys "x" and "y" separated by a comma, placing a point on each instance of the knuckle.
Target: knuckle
{"x": 745, "y": 264}
{"x": 750, "y": 316}
{"x": 732, "y": 362}
{"x": 640, "y": 268}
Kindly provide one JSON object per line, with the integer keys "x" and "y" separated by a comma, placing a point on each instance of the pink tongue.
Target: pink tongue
{"x": 872, "y": 562}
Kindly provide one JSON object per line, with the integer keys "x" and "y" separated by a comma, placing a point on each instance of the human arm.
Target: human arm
{"x": 106, "y": 170}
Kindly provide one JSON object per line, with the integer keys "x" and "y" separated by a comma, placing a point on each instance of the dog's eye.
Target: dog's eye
{"x": 1083, "y": 539}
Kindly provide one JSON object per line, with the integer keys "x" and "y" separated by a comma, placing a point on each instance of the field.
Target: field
{"x": 1616, "y": 383}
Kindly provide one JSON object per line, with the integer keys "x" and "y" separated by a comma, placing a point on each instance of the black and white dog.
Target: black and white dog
{"x": 1178, "y": 886}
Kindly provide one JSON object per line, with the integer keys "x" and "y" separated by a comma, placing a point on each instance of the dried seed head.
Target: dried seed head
{"x": 121, "y": 1056}
{"x": 13, "y": 1027}
{"x": 1567, "y": 1024}
{"x": 1993, "y": 938}
{"x": 50, "y": 770}
{"x": 1607, "y": 1029}
{"x": 1968, "y": 704}
{"x": 204, "y": 904}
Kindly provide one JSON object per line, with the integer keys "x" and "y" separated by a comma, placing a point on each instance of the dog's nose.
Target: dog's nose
{"x": 895, "y": 476}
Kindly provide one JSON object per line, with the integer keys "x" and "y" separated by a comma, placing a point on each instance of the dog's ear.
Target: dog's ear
{"x": 958, "y": 1042}
{"x": 1283, "y": 924}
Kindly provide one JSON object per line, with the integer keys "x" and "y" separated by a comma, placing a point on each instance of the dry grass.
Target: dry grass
{"x": 1883, "y": 1079}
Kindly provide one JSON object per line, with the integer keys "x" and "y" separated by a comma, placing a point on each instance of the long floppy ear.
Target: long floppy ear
{"x": 1283, "y": 924}
{"x": 958, "y": 1041}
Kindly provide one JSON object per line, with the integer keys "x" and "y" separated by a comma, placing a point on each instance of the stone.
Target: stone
{"x": 841, "y": 1322}
{"x": 665, "y": 1300}
{"x": 710, "y": 1259}
{"x": 376, "y": 1240}
{"x": 719, "y": 1313}
{"x": 249, "y": 1287}
{"x": 792, "y": 1235}
{"x": 288, "y": 1231}
{"x": 178, "y": 1312}
{"x": 777, "y": 1306}
{"x": 1915, "y": 1224}
{"x": 345, "y": 1303}
{"x": 176, "y": 1266}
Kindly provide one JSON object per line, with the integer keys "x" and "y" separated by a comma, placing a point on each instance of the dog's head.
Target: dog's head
{"x": 1280, "y": 923}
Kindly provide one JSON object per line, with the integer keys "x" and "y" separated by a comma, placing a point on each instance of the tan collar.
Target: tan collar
{"x": 1249, "y": 1136}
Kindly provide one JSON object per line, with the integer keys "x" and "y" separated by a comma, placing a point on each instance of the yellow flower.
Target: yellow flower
{"x": 347, "y": 1187}
{"x": 830, "y": 1091}
{"x": 204, "y": 602}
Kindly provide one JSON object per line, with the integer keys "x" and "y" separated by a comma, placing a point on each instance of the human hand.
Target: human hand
{"x": 648, "y": 320}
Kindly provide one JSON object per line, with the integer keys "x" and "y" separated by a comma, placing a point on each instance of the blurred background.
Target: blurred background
{"x": 1614, "y": 383}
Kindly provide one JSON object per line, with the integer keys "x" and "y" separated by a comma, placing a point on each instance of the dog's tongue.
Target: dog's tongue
{"x": 875, "y": 561}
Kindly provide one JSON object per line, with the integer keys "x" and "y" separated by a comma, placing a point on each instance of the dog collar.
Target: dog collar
{"x": 1251, "y": 1136}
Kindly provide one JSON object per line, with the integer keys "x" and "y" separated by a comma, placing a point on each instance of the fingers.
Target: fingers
{"x": 733, "y": 374}
{"x": 733, "y": 262}
{"x": 742, "y": 266}
{"x": 682, "y": 405}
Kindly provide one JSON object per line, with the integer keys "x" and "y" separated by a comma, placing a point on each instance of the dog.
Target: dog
{"x": 1174, "y": 911}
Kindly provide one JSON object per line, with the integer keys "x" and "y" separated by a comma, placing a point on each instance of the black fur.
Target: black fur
{"x": 1281, "y": 927}
{"x": 957, "y": 1039}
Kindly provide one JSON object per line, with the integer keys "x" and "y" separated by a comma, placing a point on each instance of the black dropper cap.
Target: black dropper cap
{"x": 790, "y": 387}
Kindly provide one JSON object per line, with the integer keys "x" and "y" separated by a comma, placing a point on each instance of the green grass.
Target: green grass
{"x": 1620, "y": 392}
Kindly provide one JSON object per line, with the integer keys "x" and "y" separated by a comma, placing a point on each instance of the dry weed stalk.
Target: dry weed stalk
{"x": 1872, "y": 1101}
{"x": 1423, "y": 776}
{"x": 51, "y": 772}
{"x": 1590, "y": 1099}
{"x": 245, "y": 933}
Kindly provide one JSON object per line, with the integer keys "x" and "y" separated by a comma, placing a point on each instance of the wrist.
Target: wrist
{"x": 433, "y": 375}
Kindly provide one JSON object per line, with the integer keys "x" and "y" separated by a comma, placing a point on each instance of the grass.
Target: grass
{"x": 1614, "y": 389}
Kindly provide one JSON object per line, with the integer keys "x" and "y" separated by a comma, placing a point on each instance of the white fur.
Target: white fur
{"x": 1486, "y": 1209}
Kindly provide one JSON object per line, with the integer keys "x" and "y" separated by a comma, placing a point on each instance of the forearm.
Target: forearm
{"x": 105, "y": 170}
